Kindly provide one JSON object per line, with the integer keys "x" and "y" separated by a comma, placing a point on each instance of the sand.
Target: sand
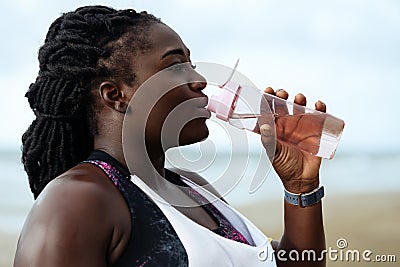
{"x": 366, "y": 221}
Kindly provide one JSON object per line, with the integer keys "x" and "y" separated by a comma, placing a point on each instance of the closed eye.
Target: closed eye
{"x": 181, "y": 66}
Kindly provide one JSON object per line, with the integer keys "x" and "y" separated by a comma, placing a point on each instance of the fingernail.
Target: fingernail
{"x": 321, "y": 103}
{"x": 265, "y": 130}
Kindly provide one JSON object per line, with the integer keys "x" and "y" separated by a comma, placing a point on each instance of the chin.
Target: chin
{"x": 193, "y": 132}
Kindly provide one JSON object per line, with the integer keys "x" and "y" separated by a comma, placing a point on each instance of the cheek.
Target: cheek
{"x": 161, "y": 122}
{"x": 170, "y": 110}
{"x": 175, "y": 120}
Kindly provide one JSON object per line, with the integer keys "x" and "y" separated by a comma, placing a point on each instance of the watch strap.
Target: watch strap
{"x": 305, "y": 199}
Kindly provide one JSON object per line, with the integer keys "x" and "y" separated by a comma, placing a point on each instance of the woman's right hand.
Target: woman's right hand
{"x": 298, "y": 170}
{"x": 299, "y": 173}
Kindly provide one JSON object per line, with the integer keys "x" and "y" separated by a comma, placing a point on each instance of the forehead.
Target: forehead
{"x": 163, "y": 38}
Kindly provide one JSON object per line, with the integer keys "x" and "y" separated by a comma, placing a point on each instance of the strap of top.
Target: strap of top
{"x": 153, "y": 239}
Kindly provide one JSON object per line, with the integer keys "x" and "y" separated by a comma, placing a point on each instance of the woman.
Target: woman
{"x": 87, "y": 210}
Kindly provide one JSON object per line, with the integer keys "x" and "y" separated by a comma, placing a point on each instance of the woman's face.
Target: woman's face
{"x": 171, "y": 102}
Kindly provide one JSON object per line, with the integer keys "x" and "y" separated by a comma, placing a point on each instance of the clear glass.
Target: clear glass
{"x": 310, "y": 130}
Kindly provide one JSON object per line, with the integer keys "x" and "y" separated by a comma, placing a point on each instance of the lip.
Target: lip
{"x": 204, "y": 113}
{"x": 203, "y": 102}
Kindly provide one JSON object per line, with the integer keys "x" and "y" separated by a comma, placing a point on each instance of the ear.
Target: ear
{"x": 114, "y": 96}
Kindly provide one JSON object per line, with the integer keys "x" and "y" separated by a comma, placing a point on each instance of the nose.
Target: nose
{"x": 198, "y": 82}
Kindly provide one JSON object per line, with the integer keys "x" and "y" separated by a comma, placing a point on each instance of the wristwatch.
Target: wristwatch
{"x": 305, "y": 199}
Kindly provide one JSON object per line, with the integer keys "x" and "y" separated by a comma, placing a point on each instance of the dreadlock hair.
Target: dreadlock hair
{"x": 81, "y": 48}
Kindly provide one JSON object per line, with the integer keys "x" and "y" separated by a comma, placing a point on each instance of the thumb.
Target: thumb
{"x": 267, "y": 133}
{"x": 268, "y": 139}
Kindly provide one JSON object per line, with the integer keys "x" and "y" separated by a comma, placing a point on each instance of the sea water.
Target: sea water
{"x": 348, "y": 173}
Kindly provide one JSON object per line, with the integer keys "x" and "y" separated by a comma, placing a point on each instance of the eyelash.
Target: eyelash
{"x": 179, "y": 66}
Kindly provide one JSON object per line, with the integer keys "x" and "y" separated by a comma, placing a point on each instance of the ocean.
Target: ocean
{"x": 345, "y": 174}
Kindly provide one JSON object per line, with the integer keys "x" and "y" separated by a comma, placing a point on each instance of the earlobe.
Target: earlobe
{"x": 113, "y": 96}
{"x": 120, "y": 106}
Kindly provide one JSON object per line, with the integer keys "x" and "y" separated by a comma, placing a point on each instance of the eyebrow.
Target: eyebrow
{"x": 177, "y": 51}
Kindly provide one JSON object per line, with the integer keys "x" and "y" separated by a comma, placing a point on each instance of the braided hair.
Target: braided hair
{"x": 81, "y": 48}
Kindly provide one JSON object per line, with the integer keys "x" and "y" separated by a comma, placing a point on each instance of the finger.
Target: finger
{"x": 269, "y": 90}
{"x": 299, "y": 102}
{"x": 266, "y": 102}
{"x": 300, "y": 99}
{"x": 281, "y": 93}
{"x": 280, "y": 103}
{"x": 320, "y": 106}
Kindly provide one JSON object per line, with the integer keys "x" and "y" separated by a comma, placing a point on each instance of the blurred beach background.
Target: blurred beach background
{"x": 343, "y": 52}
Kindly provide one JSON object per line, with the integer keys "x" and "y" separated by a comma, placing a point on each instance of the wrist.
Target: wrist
{"x": 305, "y": 199}
{"x": 301, "y": 186}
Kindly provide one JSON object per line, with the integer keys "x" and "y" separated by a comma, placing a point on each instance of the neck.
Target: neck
{"x": 158, "y": 160}
{"x": 112, "y": 147}
{"x": 137, "y": 159}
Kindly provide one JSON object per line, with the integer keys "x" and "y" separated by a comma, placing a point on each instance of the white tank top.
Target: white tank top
{"x": 206, "y": 248}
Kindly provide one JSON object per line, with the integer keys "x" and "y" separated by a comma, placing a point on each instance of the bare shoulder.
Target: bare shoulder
{"x": 198, "y": 179}
{"x": 80, "y": 191}
{"x": 74, "y": 218}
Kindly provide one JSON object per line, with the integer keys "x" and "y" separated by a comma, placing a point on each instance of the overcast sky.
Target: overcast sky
{"x": 345, "y": 52}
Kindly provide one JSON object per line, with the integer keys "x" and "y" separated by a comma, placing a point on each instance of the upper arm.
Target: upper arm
{"x": 67, "y": 226}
